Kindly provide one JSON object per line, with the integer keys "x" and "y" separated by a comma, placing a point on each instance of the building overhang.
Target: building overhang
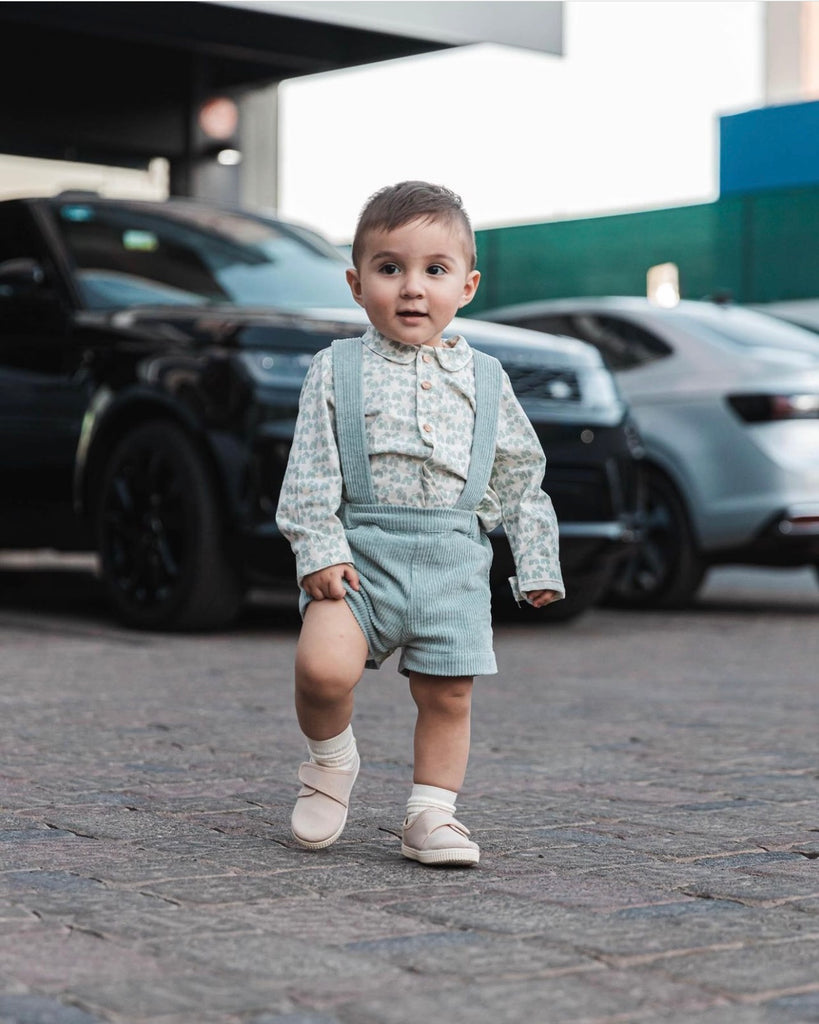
{"x": 116, "y": 82}
{"x": 528, "y": 24}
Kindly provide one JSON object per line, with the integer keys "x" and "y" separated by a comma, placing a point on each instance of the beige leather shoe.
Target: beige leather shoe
{"x": 435, "y": 837}
{"x": 320, "y": 813}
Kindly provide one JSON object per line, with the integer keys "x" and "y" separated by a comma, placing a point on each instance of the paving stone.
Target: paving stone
{"x": 803, "y": 1008}
{"x": 221, "y": 992}
{"x": 725, "y": 1012}
{"x": 587, "y": 996}
{"x": 14, "y": 917}
{"x": 808, "y": 905}
{"x": 602, "y": 890}
{"x": 747, "y": 971}
{"x": 647, "y": 821}
{"x": 33, "y": 1009}
{"x": 224, "y": 889}
{"x": 295, "y": 1018}
{"x": 202, "y": 1016}
{"x": 752, "y": 880}
{"x": 52, "y": 960}
{"x": 472, "y": 956}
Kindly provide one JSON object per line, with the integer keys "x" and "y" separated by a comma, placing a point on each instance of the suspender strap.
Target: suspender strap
{"x": 350, "y": 429}
{"x": 488, "y": 384}
{"x": 352, "y": 435}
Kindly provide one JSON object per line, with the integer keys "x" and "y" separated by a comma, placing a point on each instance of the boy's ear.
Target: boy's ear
{"x": 470, "y": 287}
{"x": 354, "y": 281}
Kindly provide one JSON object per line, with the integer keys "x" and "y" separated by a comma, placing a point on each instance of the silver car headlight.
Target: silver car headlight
{"x": 600, "y": 389}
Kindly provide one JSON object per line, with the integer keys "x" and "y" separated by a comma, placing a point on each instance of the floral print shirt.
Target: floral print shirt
{"x": 419, "y": 408}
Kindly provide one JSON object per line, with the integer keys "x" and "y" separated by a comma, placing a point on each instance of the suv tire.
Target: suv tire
{"x": 160, "y": 534}
{"x": 667, "y": 569}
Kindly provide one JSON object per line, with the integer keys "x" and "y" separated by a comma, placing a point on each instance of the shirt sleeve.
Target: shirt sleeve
{"x": 312, "y": 486}
{"x": 526, "y": 510}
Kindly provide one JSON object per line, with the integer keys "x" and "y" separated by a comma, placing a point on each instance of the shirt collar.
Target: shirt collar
{"x": 453, "y": 355}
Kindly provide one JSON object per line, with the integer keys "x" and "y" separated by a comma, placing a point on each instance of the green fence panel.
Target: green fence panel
{"x": 782, "y": 247}
{"x": 758, "y": 248}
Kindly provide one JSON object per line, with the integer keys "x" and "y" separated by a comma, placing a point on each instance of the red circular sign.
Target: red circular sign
{"x": 219, "y": 117}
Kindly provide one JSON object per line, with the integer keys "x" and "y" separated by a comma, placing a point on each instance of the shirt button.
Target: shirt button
{"x": 427, "y": 428}
{"x": 426, "y": 385}
{"x": 426, "y": 358}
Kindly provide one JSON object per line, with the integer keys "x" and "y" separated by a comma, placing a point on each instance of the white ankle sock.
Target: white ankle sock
{"x": 337, "y": 752}
{"x": 423, "y": 797}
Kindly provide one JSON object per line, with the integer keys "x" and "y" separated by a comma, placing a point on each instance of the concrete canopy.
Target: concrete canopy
{"x": 115, "y": 82}
{"x": 121, "y": 83}
{"x": 531, "y": 24}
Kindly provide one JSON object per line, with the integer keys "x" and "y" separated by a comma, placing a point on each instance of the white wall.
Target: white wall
{"x": 626, "y": 119}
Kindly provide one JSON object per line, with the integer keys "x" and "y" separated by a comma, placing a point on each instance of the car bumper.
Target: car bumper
{"x": 790, "y": 538}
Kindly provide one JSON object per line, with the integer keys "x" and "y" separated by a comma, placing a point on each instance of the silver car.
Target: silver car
{"x": 727, "y": 403}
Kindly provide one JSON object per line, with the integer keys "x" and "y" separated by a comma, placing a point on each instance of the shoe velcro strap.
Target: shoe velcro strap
{"x": 433, "y": 820}
{"x": 453, "y": 824}
{"x": 336, "y": 783}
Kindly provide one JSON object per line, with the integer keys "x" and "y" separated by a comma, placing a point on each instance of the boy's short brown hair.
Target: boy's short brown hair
{"x": 396, "y": 205}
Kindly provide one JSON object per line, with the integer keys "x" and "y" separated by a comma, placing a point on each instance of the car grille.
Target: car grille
{"x": 541, "y": 382}
{"x": 580, "y": 494}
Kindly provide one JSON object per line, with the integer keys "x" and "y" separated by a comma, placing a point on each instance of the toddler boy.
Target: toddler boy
{"x": 409, "y": 448}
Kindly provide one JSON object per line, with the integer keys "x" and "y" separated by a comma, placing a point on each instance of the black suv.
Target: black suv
{"x": 151, "y": 358}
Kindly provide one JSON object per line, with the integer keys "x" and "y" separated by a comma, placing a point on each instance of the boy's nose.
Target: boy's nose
{"x": 413, "y": 284}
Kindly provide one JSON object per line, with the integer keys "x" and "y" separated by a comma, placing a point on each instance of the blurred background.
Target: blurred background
{"x": 553, "y": 120}
{"x": 643, "y": 178}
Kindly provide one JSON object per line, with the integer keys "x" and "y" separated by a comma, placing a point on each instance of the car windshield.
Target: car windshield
{"x": 744, "y": 330}
{"x": 128, "y": 256}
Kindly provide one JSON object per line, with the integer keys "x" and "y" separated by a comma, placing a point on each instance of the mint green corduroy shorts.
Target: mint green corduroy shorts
{"x": 424, "y": 588}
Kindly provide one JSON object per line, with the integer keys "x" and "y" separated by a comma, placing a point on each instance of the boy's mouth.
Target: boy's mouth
{"x": 411, "y": 314}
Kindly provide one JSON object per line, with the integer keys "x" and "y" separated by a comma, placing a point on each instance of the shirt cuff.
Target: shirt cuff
{"x": 528, "y": 585}
{"x": 306, "y": 564}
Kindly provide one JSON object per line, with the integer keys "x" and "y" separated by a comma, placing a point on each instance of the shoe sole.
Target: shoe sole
{"x": 455, "y": 855}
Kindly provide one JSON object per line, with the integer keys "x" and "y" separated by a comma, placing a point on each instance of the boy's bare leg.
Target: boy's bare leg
{"x": 431, "y": 834}
{"x": 330, "y": 659}
{"x": 442, "y": 729}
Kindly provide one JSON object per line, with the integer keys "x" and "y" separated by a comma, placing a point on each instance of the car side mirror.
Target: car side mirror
{"x": 20, "y": 277}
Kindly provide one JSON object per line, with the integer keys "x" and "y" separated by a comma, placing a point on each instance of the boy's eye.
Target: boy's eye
{"x": 388, "y": 268}
{"x": 436, "y": 269}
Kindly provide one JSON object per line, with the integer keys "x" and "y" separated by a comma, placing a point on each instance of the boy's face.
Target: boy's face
{"x": 413, "y": 280}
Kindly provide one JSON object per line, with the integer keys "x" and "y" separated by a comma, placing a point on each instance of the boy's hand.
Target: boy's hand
{"x": 539, "y": 598}
{"x": 328, "y": 582}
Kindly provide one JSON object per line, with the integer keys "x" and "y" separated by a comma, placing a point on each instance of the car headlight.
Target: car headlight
{"x": 271, "y": 368}
{"x": 600, "y": 389}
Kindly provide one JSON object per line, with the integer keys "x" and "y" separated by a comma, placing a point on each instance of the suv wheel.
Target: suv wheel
{"x": 666, "y": 570}
{"x": 160, "y": 534}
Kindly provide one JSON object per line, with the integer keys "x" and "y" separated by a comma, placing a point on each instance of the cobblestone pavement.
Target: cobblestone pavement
{"x": 643, "y": 787}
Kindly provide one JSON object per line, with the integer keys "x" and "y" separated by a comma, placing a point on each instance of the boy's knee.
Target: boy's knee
{"x": 331, "y": 653}
{"x": 442, "y": 695}
{"x": 320, "y": 675}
